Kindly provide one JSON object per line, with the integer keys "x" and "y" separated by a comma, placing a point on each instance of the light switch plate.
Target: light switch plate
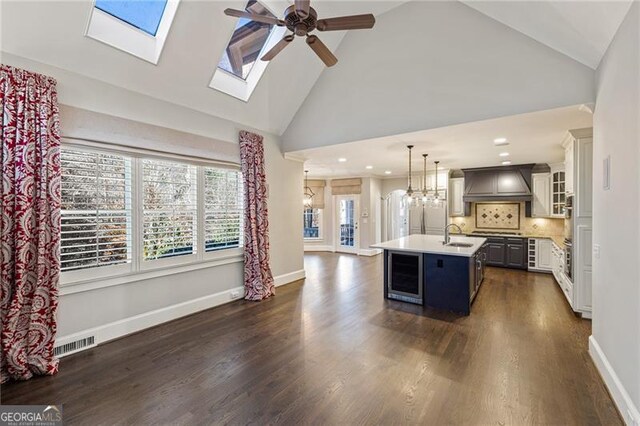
{"x": 596, "y": 251}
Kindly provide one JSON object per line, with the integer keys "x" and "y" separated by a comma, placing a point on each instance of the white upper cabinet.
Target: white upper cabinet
{"x": 443, "y": 177}
{"x": 568, "y": 164}
{"x": 456, "y": 193}
{"x": 541, "y": 195}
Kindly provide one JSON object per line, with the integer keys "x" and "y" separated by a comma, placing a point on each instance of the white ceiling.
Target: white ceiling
{"x": 52, "y": 32}
{"x": 581, "y": 30}
{"x": 533, "y": 138}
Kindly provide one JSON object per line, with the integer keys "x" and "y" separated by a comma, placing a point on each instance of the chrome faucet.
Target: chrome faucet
{"x": 447, "y": 238}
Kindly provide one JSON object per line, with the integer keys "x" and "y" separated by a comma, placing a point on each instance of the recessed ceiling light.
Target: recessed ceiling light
{"x": 342, "y": 160}
{"x": 500, "y": 141}
{"x": 369, "y": 167}
{"x": 504, "y": 154}
{"x": 506, "y": 163}
{"x": 387, "y": 172}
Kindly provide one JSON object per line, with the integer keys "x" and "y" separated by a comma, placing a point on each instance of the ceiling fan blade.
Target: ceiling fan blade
{"x": 277, "y": 48}
{"x": 254, "y": 17}
{"x": 322, "y": 51}
{"x": 353, "y": 22}
{"x": 302, "y": 8}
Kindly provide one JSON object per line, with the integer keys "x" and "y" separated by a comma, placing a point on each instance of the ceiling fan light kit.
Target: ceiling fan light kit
{"x": 301, "y": 19}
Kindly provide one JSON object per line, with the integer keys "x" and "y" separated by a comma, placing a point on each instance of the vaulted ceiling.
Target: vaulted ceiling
{"x": 52, "y": 32}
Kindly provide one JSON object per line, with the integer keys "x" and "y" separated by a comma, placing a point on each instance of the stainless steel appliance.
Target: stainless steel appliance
{"x": 568, "y": 218}
{"x": 568, "y": 237}
{"x": 568, "y": 258}
{"x": 404, "y": 277}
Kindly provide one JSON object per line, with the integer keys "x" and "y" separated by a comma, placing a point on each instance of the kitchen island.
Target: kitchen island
{"x": 421, "y": 269}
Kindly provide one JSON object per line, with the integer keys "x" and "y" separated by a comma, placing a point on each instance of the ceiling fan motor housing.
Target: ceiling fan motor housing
{"x": 297, "y": 25}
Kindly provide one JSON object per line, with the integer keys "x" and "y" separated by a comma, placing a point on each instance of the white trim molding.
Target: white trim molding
{"x": 139, "y": 322}
{"x": 123, "y": 327}
{"x": 619, "y": 394}
{"x": 289, "y": 277}
{"x": 318, "y": 247}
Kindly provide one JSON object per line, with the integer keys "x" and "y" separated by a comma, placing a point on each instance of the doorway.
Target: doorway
{"x": 347, "y": 213}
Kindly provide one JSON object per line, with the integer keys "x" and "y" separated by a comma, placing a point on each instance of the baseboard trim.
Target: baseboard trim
{"x": 369, "y": 252}
{"x": 139, "y": 322}
{"x": 619, "y": 394}
{"x": 123, "y": 327}
{"x": 289, "y": 278}
{"x": 318, "y": 247}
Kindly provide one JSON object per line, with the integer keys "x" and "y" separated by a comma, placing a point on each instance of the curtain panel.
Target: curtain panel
{"x": 30, "y": 223}
{"x": 258, "y": 280}
{"x": 317, "y": 186}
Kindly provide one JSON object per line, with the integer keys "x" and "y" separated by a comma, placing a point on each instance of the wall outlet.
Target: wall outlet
{"x": 235, "y": 294}
{"x": 596, "y": 251}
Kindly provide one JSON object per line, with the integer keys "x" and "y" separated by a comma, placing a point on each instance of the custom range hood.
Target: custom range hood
{"x": 505, "y": 183}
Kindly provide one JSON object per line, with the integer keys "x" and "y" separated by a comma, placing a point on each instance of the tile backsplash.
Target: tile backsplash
{"x": 526, "y": 225}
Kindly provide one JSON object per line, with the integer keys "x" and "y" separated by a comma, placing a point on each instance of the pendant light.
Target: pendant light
{"x": 436, "y": 196}
{"x": 308, "y": 193}
{"x": 409, "y": 194}
{"x": 424, "y": 179}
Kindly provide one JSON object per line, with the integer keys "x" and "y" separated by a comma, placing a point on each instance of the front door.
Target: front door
{"x": 347, "y": 223}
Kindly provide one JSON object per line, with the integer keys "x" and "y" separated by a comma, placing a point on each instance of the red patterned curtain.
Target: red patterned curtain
{"x": 258, "y": 281}
{"x": 30, "y": 223}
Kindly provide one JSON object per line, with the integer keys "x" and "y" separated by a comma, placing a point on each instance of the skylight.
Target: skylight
{"x": 138, "y": 27}
{"x": 142, "y": 14}
{"x": 240, "y": 67}
{"x": 246, "y": 43}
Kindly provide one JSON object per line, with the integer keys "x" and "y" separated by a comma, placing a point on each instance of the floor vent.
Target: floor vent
{"x": 75, "y": 346}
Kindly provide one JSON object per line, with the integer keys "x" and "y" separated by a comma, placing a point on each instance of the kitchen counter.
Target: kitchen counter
{"x": 558, "y": 239}
{"x": 421, "y": 269}
{"x": 433, "y": 244}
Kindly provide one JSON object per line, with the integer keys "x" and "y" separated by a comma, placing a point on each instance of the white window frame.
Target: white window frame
{"x": 215, "y": 254}
{"x": 109, "y": 270}
{"x": 116, "y": 33}
{"x": 320, "y": 236}
{"x": 139, "y": 269}
{"x": 235, "y": 86}
{"x": 172, "y": 260}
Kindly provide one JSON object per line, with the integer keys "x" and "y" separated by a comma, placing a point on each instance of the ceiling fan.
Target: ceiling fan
{"x": 301, "y": 19}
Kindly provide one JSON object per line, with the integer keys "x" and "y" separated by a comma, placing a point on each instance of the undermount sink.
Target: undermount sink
{"x": 458, "y": 244}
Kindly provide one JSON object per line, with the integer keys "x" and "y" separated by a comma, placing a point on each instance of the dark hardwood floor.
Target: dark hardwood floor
{"x": 331, "y": 350}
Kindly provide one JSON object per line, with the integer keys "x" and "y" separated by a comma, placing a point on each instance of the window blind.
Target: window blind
{"x": 96, "y": 209}
{"x": 223, "y": 208}
{"x": 169, "y": 208}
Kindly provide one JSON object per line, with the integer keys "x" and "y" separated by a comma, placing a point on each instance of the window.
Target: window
{"x": 96, "y": 209}
{"x": 142, "y": 14}
{"x": 170, "y": 209}
{"x": 312, "y": 219}
{"x": 138, "y": 27}
{"x": 246, "y": 43}
{"x": 222, "y": 208}
{"x": 240, "y": 67}
{"x": 129, "y": 213}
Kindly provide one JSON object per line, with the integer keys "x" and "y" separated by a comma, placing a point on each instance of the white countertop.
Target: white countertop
{"x": 432, "y": 244}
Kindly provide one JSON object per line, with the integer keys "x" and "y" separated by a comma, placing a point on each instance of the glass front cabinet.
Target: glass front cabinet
{"x": 557, "y": 191}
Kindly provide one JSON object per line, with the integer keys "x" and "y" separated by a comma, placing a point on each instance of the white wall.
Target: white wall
{"x": 433, "y": 74}
{"x": 124, "y": 308}
{"x": 615, "y": 343}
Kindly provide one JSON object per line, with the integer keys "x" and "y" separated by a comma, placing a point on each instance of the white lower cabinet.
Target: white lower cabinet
{"x": 540, "y": 255}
